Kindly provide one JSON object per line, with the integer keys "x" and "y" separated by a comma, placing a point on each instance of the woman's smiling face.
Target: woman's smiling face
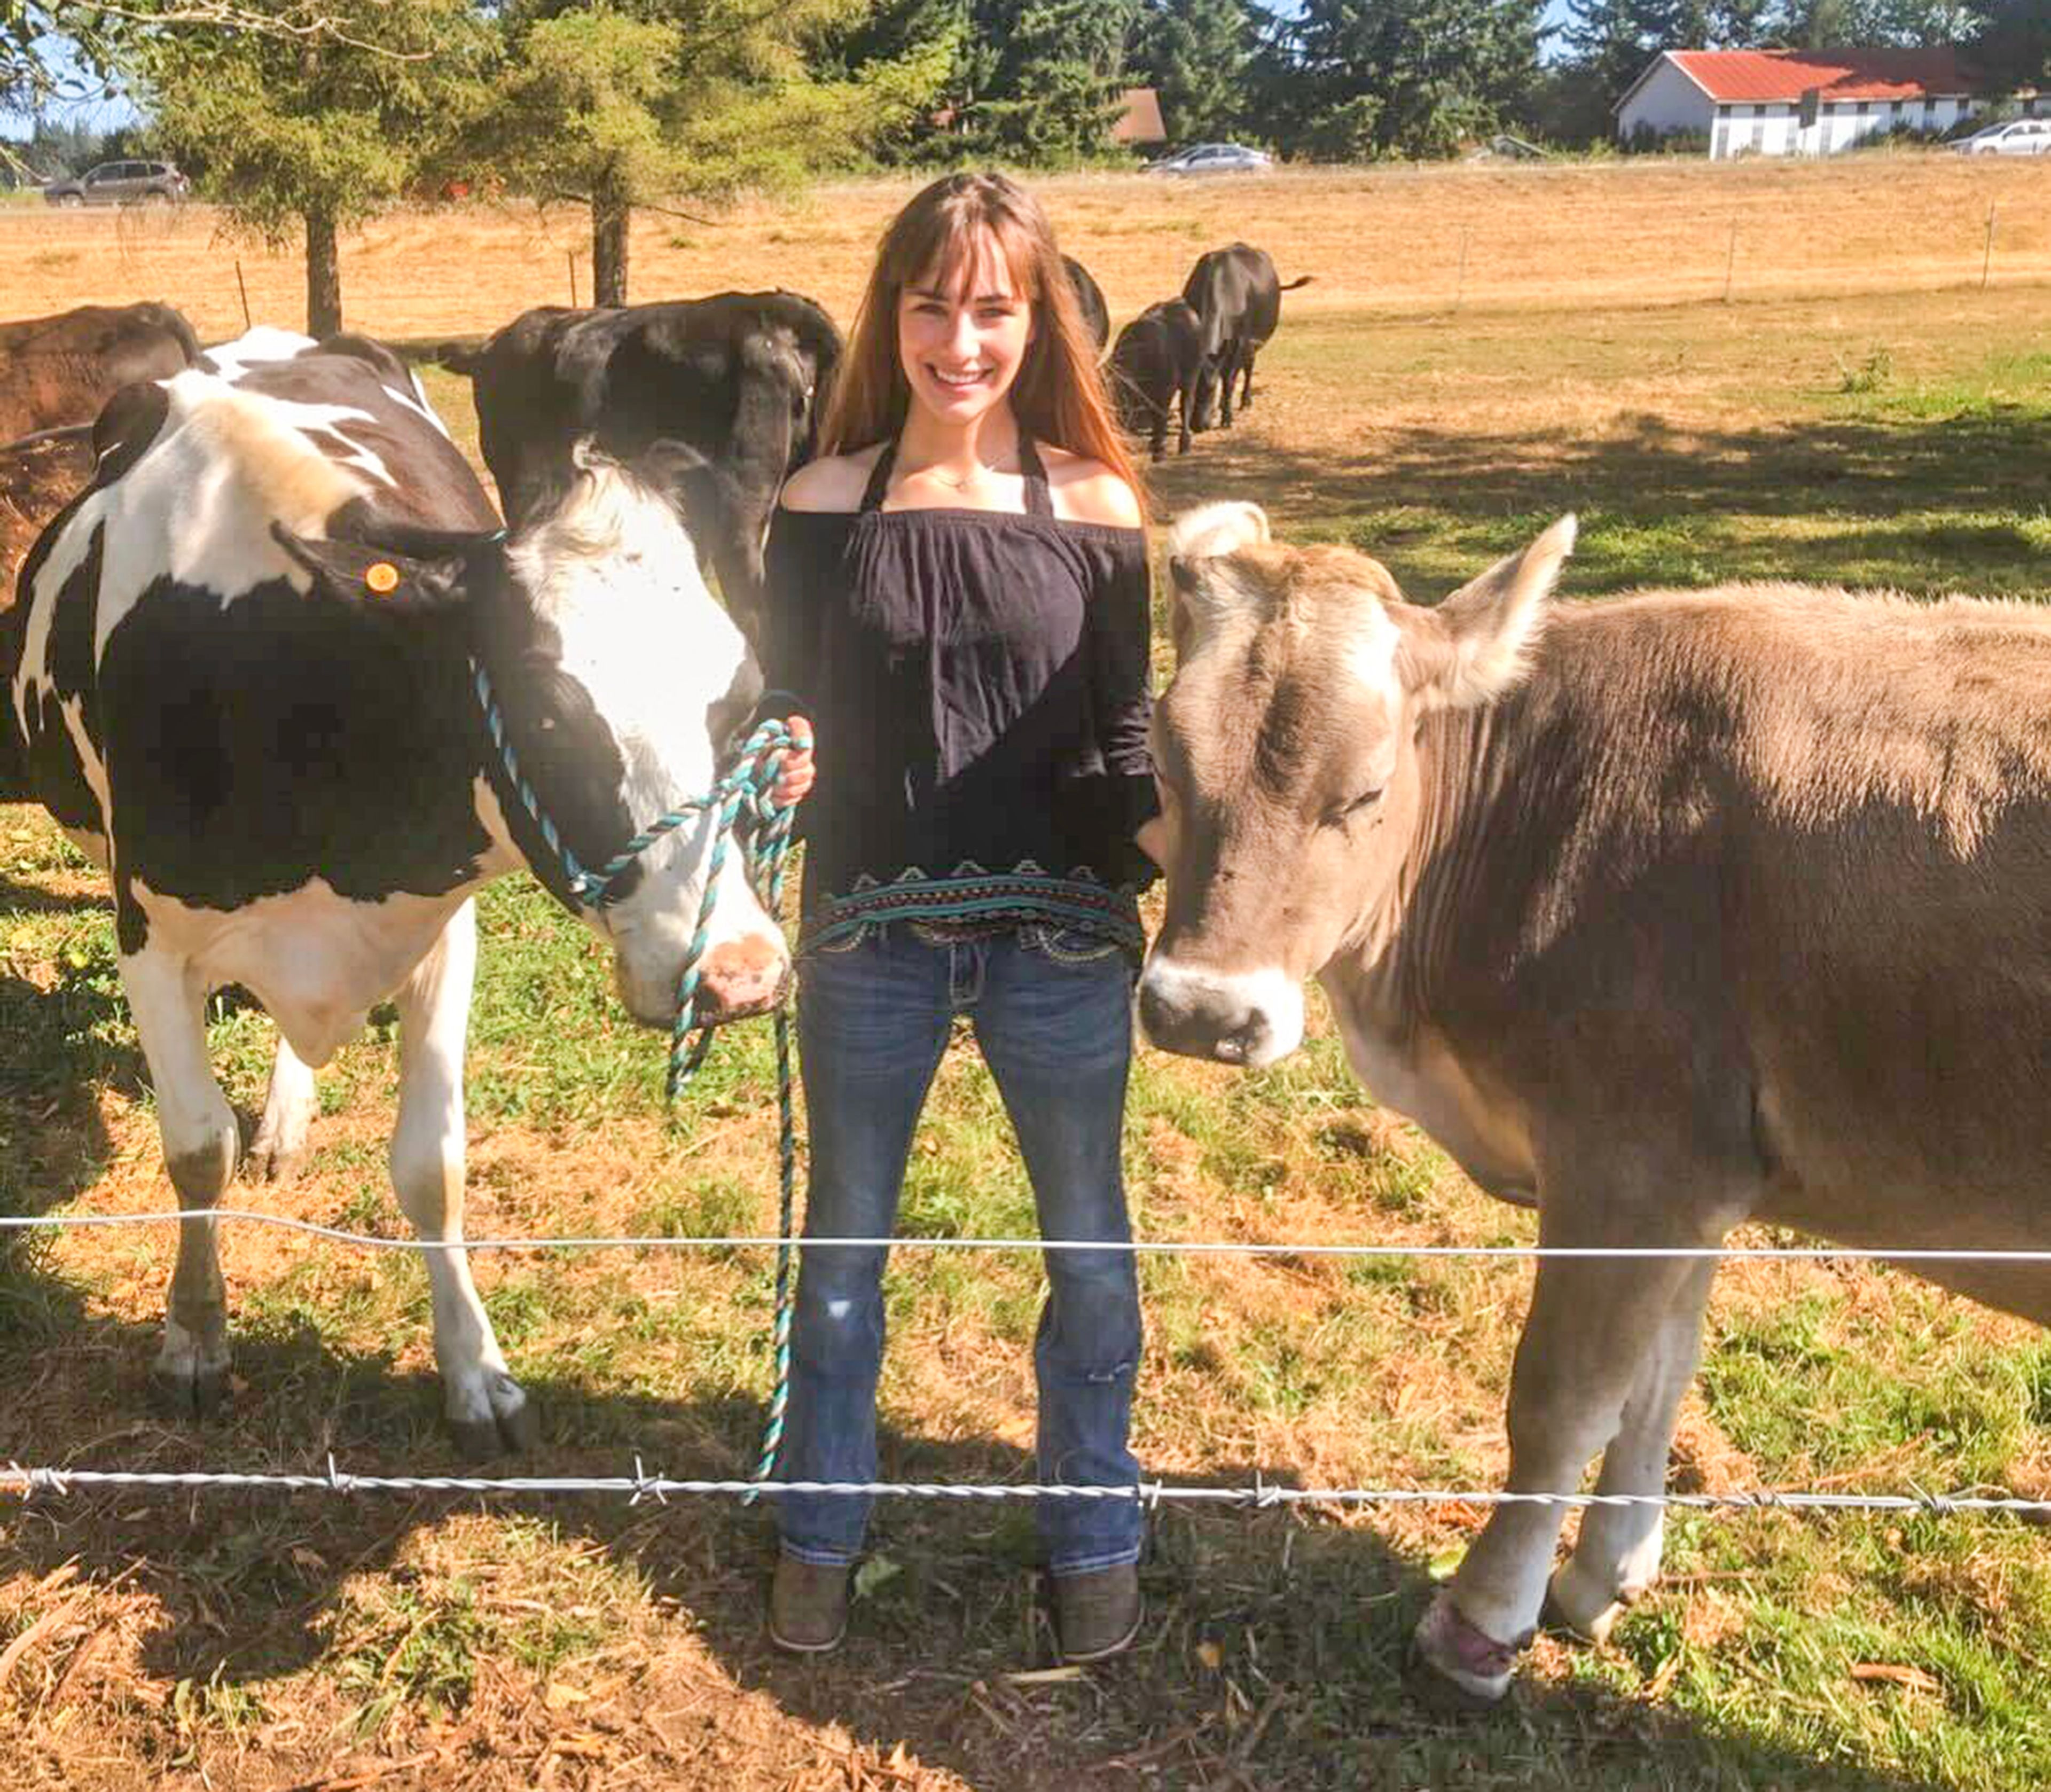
{"x": 962, "y": 340}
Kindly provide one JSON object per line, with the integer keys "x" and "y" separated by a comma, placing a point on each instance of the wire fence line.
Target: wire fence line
{"x": 1240, "y": 1247}
{"x": 29, "y": 1482}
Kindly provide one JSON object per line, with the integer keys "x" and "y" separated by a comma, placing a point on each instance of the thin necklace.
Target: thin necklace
{"x": 976, "y": 472}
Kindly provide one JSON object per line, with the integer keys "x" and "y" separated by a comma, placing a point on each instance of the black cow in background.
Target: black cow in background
{"x": 1155, "y": 365}
{"x": 740, "y": 378}
{"x": 1238, "y": 295}
{"x": 1089, "y": 298}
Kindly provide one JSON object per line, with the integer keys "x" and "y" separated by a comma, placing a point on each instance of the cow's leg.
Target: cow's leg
{"x": 1576, "y": 1365}
{"x": 1616, "y": 1558}
{"x": 1228, "y": 381}
{"x": 1160, "y": 429}
{"x": 1246, "y": 391}
{"x": 487, "y": 1409}
{"x": 197, "y": 1127}
{"x": 1189, "y": 396}
{"x": 290, "y": 1105}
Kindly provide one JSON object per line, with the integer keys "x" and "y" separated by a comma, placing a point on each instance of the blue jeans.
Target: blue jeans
{"x": 1052, "y": 1011}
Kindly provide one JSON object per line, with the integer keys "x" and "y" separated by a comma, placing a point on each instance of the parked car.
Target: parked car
{"x": 1212, "y": 158}
{"x": 2017, "y": 137}
{"x": 122, "y": 183}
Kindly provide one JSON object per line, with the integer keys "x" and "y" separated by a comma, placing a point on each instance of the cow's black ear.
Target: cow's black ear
{"x": 379, "y": 575}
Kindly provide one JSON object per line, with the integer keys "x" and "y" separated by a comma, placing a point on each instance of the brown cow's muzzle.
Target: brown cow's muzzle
{"x": 1249, "y": 1018}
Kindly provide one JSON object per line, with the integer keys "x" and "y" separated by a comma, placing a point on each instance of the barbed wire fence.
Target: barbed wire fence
{"x": 32, "y": 1481}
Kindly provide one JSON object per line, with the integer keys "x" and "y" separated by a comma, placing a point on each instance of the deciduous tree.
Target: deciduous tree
{"x": 624, "y": 105}
{"x": 309, "y": 131}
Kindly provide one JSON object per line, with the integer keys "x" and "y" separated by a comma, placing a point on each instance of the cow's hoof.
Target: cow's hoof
{"x": 509, "y": 1424}
{"x": 190, "y": 1378}
{"x": 278, "y": 1153}
{"x": 1581, "y": 1605}
{"x": 190, "y": 1390}
{"x": 1465, "y": 1668}
{"x": 273, "y": 1158}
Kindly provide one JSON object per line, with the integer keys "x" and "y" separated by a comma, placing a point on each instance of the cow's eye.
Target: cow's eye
{"x": 1341, "y": 813}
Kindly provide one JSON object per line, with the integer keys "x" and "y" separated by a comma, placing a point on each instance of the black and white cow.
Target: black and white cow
{"x": 245, "y": 687}
{"x": 740, "y": 378}
{"x": 1236, "y": 292}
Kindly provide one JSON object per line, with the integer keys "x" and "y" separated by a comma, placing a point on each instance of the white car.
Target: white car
{"x": 1212, "y": 158}
{"x": 2017, "y": 137}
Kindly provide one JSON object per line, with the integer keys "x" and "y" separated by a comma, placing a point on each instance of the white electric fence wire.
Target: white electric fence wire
{"x": 1238, "y": 1247}
{"x": 31, "y": 1481}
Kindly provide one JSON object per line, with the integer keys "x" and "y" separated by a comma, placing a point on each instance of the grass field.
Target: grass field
{"x": 1863, "y": 411}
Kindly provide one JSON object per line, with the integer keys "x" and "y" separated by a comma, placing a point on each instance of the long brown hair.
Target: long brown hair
{"x": 1058, "y": 396}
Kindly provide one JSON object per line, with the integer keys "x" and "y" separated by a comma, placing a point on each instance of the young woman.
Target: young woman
{"x": 959, "y": 605}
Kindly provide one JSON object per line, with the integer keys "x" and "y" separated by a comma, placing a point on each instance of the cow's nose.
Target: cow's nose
{"x": 1192, "y": 1022}
{"x": 1249, "y": 1021}
{"x": 742, "y": 977}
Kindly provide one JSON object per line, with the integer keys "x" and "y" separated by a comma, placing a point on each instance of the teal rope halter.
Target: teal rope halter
{"x": 749, "y": 789}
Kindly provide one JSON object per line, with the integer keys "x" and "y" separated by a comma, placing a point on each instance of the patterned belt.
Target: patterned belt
{"x": 985, "y": 901}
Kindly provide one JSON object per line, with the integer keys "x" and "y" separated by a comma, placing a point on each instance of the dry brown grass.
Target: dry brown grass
{"x": 1385, "y": 240}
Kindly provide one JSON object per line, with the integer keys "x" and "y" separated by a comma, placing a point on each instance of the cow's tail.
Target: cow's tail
{"x": 1291, "y": 286}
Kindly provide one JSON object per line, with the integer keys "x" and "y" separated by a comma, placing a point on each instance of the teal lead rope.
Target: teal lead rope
{"x": 749, "y": 789}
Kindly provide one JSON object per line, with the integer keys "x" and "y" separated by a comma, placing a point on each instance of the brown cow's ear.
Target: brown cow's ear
{"x": 1478, "y": 643}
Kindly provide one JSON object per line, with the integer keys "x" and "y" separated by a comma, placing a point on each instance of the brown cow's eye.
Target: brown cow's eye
{"x": 1341, "y": 813}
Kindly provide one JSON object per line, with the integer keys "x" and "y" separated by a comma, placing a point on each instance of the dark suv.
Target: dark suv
{"x": 122, "y": 183}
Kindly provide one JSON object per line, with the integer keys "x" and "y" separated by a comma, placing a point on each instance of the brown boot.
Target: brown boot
{"x": 1097, "y": 1613}
{"x": 808, "y": 1605}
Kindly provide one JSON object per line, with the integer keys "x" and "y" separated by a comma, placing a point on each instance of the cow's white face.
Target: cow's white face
{"x": 617, "y": 679}
{"x": 649, "y": 656}
{"x": 1286, "y": 747}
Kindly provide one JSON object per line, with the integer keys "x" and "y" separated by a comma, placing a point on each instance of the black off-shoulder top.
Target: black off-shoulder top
{"x": 979, "y": 682}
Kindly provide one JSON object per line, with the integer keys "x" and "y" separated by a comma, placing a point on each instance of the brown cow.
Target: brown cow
{"x": 1660, "y": 915}
{"x": 60, "y": 369}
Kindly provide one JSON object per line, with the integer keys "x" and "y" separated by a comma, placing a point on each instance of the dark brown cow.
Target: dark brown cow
{"x": 1660, "y": 915}
{"x": 60, "y": 369}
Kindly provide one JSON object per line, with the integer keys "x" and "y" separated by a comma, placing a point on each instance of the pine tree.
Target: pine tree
{"x": 1351, "y": 79}
{"x": 1041, "y": 79}
{"x": 1195, "y": 53}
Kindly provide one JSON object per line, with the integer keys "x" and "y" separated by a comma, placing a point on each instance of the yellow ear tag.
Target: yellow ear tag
{"x": 382, "y": 577}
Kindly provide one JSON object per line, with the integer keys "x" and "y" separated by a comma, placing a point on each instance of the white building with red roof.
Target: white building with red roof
{"x": 1798, "y": 102}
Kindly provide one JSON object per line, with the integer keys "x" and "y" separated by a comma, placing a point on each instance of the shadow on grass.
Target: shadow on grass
{"x": 1691, "y": 506}
{"x": 65, "y": 1043}
{"x": 1273, "y": 1656}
